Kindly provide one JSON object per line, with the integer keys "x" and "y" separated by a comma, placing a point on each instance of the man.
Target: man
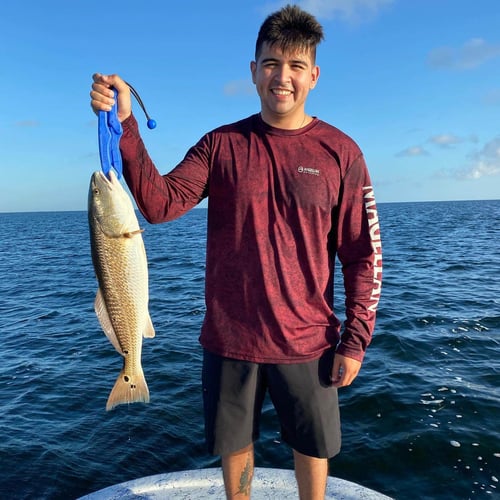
{"x": 287, "y": 193}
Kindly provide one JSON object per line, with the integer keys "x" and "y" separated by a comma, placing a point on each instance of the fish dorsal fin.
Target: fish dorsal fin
{"x": 105, "y": 321}
{"x": 149, "y": 330}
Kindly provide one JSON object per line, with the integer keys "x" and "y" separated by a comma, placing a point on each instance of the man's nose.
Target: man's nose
{"x": 282, "y": 75}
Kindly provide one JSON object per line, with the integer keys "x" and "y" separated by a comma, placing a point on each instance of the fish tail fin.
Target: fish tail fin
{"x": 128, "y": 389}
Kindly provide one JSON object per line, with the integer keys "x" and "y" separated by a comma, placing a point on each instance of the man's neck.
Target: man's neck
{"x": 294, "y": 122}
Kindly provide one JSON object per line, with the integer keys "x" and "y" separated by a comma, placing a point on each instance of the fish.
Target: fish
{"x": 121, "y": 268}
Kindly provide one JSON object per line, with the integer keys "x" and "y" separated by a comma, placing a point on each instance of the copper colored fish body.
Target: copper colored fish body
{"x": 120, "y": 264}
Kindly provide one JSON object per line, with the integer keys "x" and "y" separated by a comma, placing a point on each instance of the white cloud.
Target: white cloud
{"x": 481, "y": 169}
{"x": 445, "y": 140}
{"x": 352, "y": 11}
{"x": 442, "y": 141}
{"x": 450, "y": 140}
{"x": 470, "y": 55}
{"x": 347, "y": 10}
{"x": 482, "y": 163}
{"x": 485, "y": 163}
{"x": 413, "y": 151}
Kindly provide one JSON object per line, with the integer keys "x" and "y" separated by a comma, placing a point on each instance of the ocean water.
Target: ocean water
{"x": 422, "y": 420}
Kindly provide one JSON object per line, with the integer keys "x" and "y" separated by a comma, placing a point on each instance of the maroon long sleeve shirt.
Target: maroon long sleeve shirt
{"x": 281, "y": 205}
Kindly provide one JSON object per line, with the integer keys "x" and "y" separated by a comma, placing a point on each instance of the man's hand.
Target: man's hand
{"x": 344, "y": 370}
{"x": 102, "y": 95}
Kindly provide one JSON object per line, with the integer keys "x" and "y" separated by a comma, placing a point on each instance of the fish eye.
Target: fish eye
{"x": 96, "y": 190}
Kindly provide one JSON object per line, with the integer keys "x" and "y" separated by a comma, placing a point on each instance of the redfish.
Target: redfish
{"x": 121, "y": 268}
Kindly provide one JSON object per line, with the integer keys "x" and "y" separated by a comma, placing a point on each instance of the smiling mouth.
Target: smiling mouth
{"x": 282, "y": 92}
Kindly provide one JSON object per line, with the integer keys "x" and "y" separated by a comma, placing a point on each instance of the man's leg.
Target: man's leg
{"x": 311, "y": 474}
{"x": 308, "y": 410}
{"x": 237, "y": 469}
{"x": 233, "y": 393}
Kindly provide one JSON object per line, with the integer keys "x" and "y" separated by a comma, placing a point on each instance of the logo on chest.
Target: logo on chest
{"x": 308, "y": 170}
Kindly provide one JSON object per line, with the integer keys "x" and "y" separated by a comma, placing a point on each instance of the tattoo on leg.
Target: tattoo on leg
{"x": 246, "y": 479}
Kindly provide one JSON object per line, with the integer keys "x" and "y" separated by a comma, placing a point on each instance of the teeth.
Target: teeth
{"x": 281, "y": 92}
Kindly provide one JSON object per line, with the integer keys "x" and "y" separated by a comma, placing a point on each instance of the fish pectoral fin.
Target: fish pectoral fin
{"x": 149, "y": 330}
{"x": 131, "y": 234}
{"x": 105, "y": 321}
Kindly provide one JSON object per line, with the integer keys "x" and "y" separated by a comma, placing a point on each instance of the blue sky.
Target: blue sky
{"x": 415, "y": 82}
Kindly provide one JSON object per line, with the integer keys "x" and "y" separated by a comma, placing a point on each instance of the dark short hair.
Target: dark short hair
{"x": 291, "y": 29}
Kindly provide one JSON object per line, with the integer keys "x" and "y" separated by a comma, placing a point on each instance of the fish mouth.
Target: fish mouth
{"x": 102, "y": 181}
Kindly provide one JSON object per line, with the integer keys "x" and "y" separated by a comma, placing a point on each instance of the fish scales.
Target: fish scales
{"x": 120, "y": 263}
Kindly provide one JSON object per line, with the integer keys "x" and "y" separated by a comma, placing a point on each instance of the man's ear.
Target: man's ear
{"x": 253, "y": 69}
{"x": 315, "y": 76}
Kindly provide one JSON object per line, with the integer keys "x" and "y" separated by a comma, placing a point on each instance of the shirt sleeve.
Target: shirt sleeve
{"x": 160, "y": 197}
{"x": 359, "y": 251}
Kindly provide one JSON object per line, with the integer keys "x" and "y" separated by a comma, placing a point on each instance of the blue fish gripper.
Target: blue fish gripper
{"x": 110, "y": 130}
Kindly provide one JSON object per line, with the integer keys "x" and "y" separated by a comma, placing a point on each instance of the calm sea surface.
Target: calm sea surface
{"x": 422, "y": 419}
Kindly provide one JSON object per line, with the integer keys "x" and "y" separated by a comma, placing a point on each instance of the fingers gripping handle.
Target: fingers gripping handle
{"x": 110, "y": 130}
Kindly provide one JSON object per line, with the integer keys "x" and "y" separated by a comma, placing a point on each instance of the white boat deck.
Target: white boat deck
{"x": 267, "y": 483}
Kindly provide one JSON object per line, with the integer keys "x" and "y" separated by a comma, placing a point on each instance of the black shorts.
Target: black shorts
{"x": 302, "y": 394}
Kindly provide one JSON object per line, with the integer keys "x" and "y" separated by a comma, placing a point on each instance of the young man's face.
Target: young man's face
{"x": 283, "y": 81}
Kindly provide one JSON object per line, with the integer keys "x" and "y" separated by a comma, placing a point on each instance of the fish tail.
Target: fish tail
{"x": 128, "y": 389}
